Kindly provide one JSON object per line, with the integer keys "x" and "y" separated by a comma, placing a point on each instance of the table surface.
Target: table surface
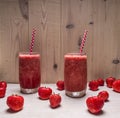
{"x": 70, "y": 107}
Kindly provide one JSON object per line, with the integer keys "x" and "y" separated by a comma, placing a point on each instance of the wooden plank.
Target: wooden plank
{"x": 78, "y": 14}
{"x": 105, "y": 39}
{"x": 112, "y": 28}
{"x": 13, "y": 38}
{"x": 45, "y": 16}
{"x": 98, "y": 46}
{"x": 60, "y": 25}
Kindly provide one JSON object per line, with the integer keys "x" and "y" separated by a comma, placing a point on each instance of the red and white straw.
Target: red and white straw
{"x": 32, "y": 40}
{"x": 83, "y": 41}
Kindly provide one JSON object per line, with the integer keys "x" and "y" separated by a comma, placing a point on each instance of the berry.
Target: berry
{"x": 116, "y": 85}
{"x": 94, "y": 104}
{"x": 15, "y": 102}
{"x": 100, "y": 81}
{"x": 109, "y": 81}
{"x": 103, "y": 95}
{"x": 55, "y": 100}
{"x": 60, "y": 85}
{"x": 93, "y": 85}
{"x": 44, "y": 92}
{"x": 2, "y": 92}
{"x": 3, "y": 84}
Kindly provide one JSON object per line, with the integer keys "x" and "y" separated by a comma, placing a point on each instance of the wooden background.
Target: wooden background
{"x": 60, "y": 25}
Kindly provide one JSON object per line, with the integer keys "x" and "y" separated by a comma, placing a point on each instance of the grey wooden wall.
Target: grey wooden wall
{"x": 60, "y": 25}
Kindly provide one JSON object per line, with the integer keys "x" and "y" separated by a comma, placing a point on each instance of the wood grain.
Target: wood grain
{"x": 47, "y": 22}
{"x": 13, "y": 38}
{"x": 60, "y": 25}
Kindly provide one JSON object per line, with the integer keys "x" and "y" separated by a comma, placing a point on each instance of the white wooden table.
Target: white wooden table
{"x": 70, "y": 107}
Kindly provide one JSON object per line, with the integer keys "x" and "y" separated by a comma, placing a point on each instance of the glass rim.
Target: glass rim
{"x": 75, "y": 53}
{"x": 29, "y": 53}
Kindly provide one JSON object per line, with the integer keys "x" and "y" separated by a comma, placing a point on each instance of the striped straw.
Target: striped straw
{"x": 32, "y": 41}
{"x": 83, "y": 41}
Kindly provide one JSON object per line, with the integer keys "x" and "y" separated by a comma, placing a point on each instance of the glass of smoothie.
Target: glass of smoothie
{"x": 29, "y": 72}
{"x": 75, "y": 74}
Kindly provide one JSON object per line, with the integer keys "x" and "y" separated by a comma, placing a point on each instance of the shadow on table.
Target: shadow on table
{"x": 11, "y": 111}
{"x": 97, "y": 114}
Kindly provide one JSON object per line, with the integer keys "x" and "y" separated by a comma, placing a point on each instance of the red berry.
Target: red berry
{"x": 44, "y": 92}
{"x": 116, "y": 85}
{"x": 100, "y": 81}
{"x": 3, "y": 84}
{"x": 103, "y": 95}
{"x": 109, "y": 81}
{"x": 2, "y": 92}
{"x": 55, "y": 100}
{"x": 15, "y": 102}
{"x": 93, "y": 85}
{"x": 60, "y": 85}
{"x": 94, "y": 104}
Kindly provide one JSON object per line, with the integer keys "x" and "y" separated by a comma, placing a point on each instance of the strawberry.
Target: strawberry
{"x": 94, "y": 104}
{"x": 60, "y": 85}
{"x": 3, "y": 84}
{"x": 109, "y": 81}
{"x": 55, "y": 100}
{"x": 93, "y": 85}
{"x": 15, "y": 102}
{"x": 103, "y": 95}
{"x": 100, "y": 81}
{"x": 116, "y": 85}
{"x": 44, "y": 92}
{"x": 2, "y": 92}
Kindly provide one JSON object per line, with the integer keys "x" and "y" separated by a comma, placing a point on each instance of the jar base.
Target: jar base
{"x": 28, "y": 91}
{"x": 76, "y": 94}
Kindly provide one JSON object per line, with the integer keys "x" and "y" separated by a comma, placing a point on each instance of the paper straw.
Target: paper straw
{"x": 32, "y": 41}
{"x": 83, "y": 41}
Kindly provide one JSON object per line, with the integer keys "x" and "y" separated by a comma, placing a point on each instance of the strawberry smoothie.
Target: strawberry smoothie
{"x": 29, "y": 72}
{"x": 75, "y": 74}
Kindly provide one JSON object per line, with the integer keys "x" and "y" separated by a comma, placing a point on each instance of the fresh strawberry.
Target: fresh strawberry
{"x": 94, "y": 104}
{"x": 103, "y": 95}
{"x": 55, "y": 100}
{"x": 60, "y": 85}
{"x": 109, "y": 81}
{"x": 44, "y": 92}
{"x": 3, "y": 84}
{"x": 116, "y": 85}
{"x": 93, "y": 85}
{"x": 2, "y": 92}
{"x": 15, "y": 102}
{"x": 100, "y": 81}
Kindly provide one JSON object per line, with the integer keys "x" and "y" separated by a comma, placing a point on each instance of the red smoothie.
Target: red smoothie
{"x": 29, "y": 72}
{"x": 75, "y": 74}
